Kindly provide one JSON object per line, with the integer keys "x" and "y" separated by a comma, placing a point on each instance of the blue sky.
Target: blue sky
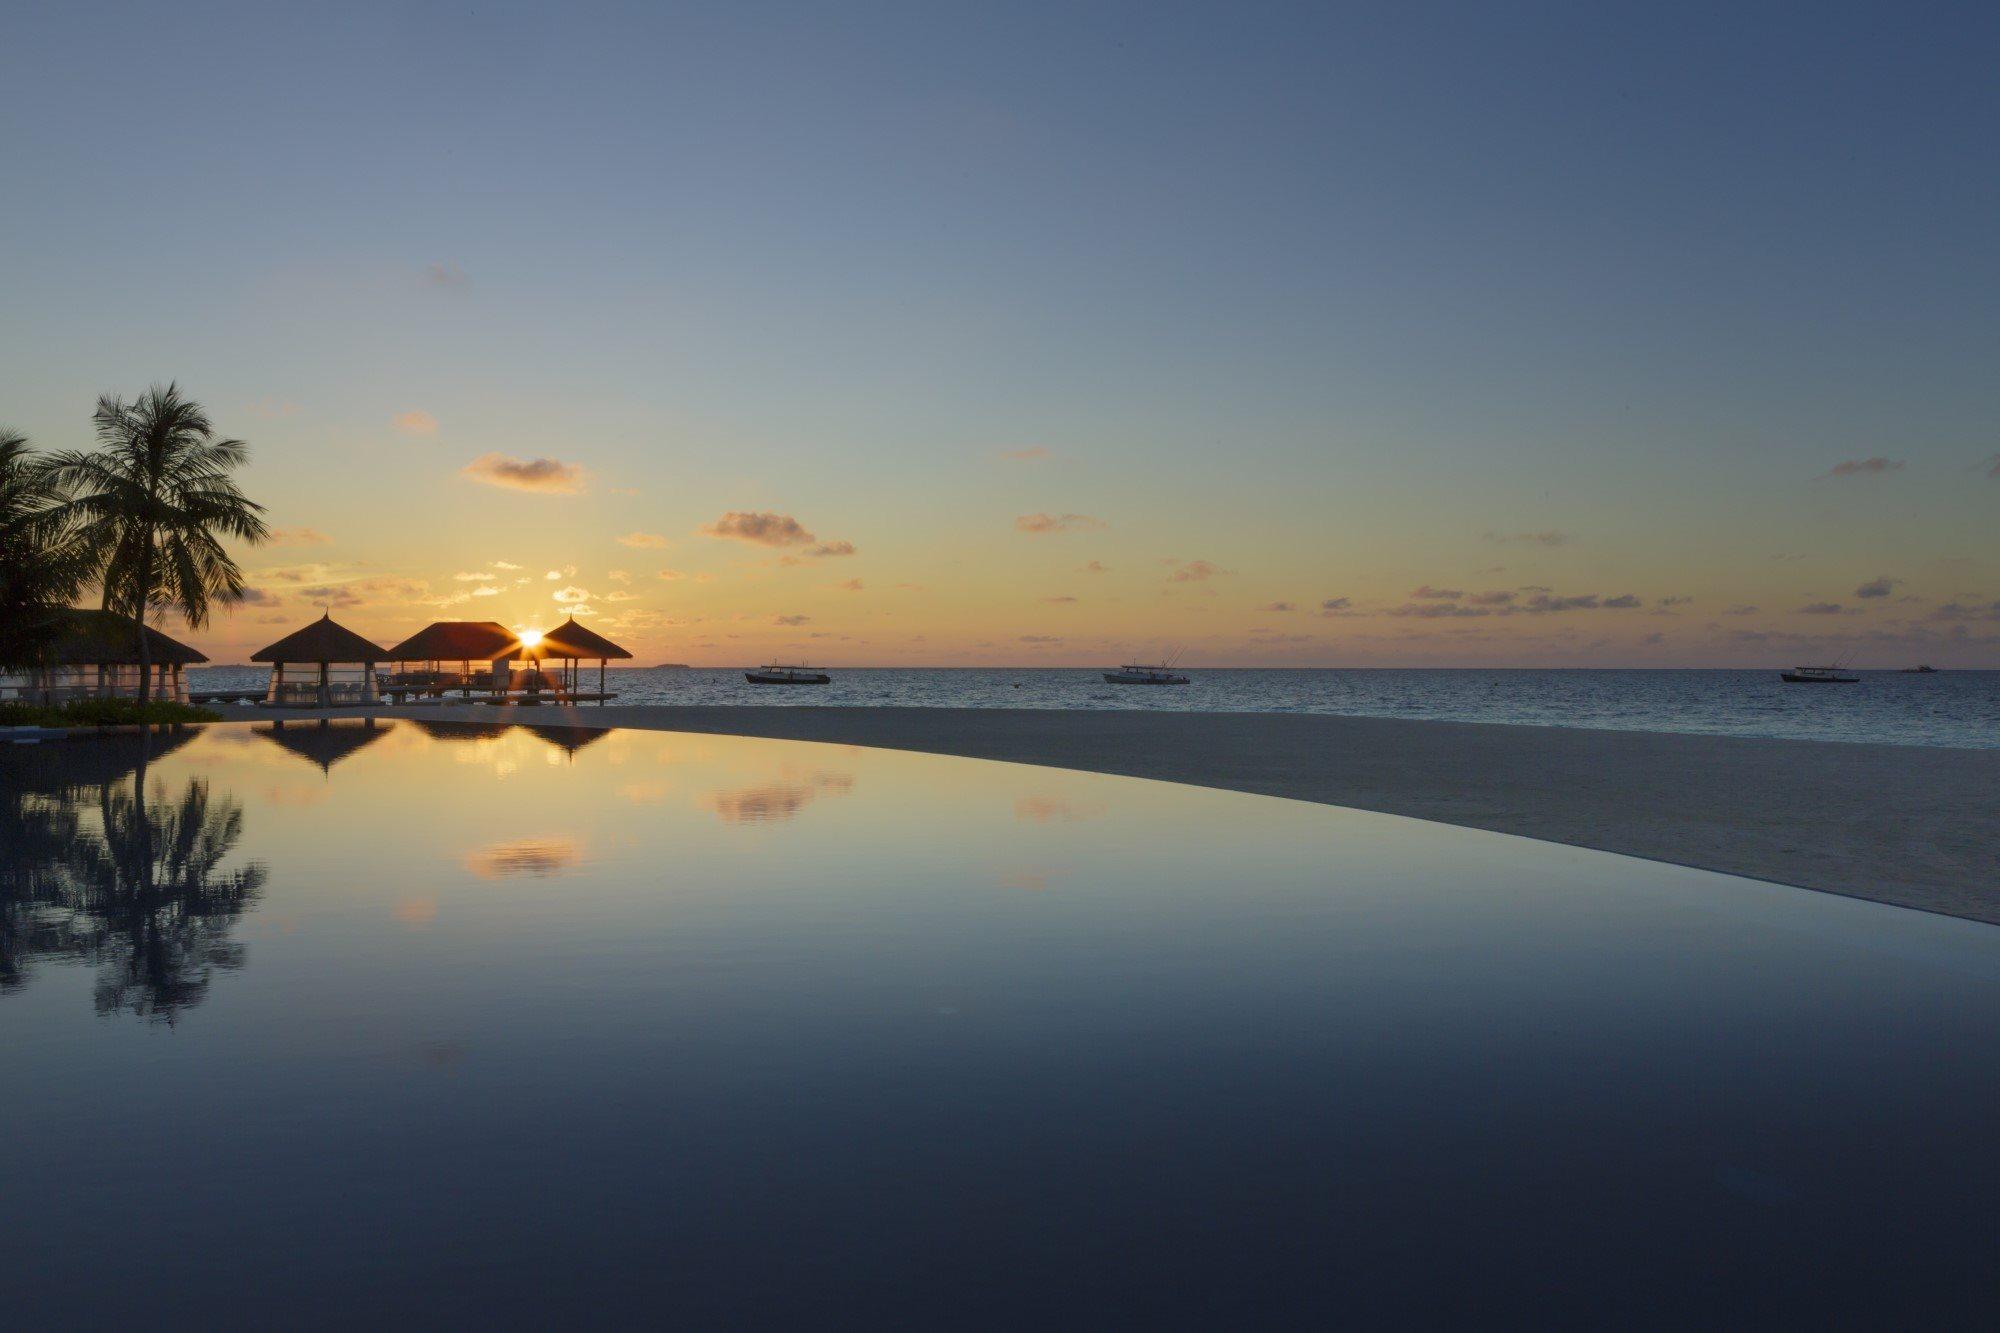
{"x": 1323, "y": 297}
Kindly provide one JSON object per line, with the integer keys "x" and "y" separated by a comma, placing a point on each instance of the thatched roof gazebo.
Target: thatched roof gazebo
{"x": 438, "y": 645}
{"x": 322, "y": 644}
{"x": 95, "y": 655}
{"x": 570, "y": 643}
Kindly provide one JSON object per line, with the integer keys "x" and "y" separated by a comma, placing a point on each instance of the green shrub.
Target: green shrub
{"x": 102, "y": 713}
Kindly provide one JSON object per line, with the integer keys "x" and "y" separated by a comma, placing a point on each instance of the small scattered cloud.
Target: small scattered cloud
{"x": 1279, "y": 606}
{"x": 830, "y": 550}
{"x": 645, "y": 541}
{"x": 1881, "y": 586}
{"x": 790, "y": 620}
{"x": 669, "y": 575}
{"x": 486, "y": 590}
{"x": 416, "y": 421}
{"x": 1061, "y": 598}
{"x": 471, "y": 576}
{"x": 1045, "y": 524}
{"x": 445, "y": 275}
{"x": 1625, "y": 602}
{"x": 298, "y": 537}
{"x": 502, "y": 564}
{"x": 1196, "y": 571}
{"x": 571, "y": 595}
{"x": 260, "y": 597}
{"x": 1438, "y": 611}
{"x": 548, "y": 476}
{"x": 1093, "y": 567}
{"x": 851, "y": 585}
{"x": 619, "y": 575}
{"x": 1673, "y": 601}
{"x": 1429, "y": 594}
{"x": 1742, "y": 609}
{"x": 1960, "y": 611}
{"x": 1041, "y": 638}
{"x": 1548, "y": 538}
{"x": 1034, "y": 453}
{"x": 1992, "y": 466}
{"x": 1822, "y": 609}
{"x": 1335, "y": 605}
{"x": 1495, "y": 598}
{"x": 1863, "y": 467}
{"x": 759, "y": 529}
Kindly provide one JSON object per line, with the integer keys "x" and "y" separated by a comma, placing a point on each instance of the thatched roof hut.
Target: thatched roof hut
{"x": 572, "y": 642}
{"x": 459, "y": 641}
{"x": 95, "y": 654}
{"x": 325, "y": 640}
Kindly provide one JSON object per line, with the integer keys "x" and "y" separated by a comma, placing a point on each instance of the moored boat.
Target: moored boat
{"x": 1140, "y": 674}
{"x": 1817, "y": 675}
{"x": 776, "y": 674}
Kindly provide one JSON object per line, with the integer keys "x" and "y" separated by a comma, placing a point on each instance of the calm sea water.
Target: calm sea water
{"x": 432, "y": 1025}
{"x": 1951, "y": 708}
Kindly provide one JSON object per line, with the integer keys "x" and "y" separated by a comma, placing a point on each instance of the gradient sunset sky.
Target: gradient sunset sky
{"x": 1371, "y": 334}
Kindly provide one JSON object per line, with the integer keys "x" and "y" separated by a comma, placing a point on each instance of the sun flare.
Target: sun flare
{"x": 530, "y": 637}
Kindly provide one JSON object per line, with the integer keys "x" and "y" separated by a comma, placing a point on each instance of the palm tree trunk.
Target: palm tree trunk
{"x": 139, "y": 616}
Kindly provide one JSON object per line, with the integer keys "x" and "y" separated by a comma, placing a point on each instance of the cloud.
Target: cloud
{"x": 852, "y": 585}
{"x": 1279, "y": 606}
{"x": 502, "y": 564}
{"x": 1041, "y": 638}
{"x": 298, "y": 537}
{"x": 759, "y": 529}
{"x": 468, "y": 576}
{"x": 1057, "y": 600}
{"x": 1044, "y": 524}
{"x": 1962, "y": 611}
{"x": 669, "y": 575}
{"x": 1196, "y": 571}
{"x": 416, "y": 421}
{"x": 571, "y": 595}
{"x": 1093, "y": 567}
{"x": 260, "y": 597}
{"x": 828, "y": 550}
{"x": 1438, "y": 611}
{"x": 385, "y": 588}
{"x": 790, "y": 620}
{"x": 1880, "y": 586}
{"x": 1621, "y": 603}
{"x": 445, "y": 275}
{"x": 1527, "y": 538}
{"x": 1741, "y": 610}
{"x": 1333, "y": 604}
{"x": 1994, "y": 470}
{"x": 619, "y": 575}
{"x": 1863, "y": 467}
{"x": 546, "y": 475}
{"x": 1491, "y": 598}
{"x": 1822, "y": 609}
{"x": 1673, "y": 601}
{"x": 1429, "y": 594}
{"x": 486, "y": 590}
{"x": 1034, "y": 453}
{"x": 645, "y": 541}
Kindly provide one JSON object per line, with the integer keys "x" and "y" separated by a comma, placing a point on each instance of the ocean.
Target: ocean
{"x": 1950, "y": 708}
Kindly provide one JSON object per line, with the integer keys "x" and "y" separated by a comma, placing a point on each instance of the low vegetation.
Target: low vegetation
{"x": 102, "y": 713}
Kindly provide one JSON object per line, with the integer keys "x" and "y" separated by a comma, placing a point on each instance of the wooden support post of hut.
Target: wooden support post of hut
{"x": 322, "y": 646}
{"x": 570, "y": 644}
{"x": 95, "y": 655}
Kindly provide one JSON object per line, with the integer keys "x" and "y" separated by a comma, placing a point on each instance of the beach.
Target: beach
{"x": 1907, "y": 825}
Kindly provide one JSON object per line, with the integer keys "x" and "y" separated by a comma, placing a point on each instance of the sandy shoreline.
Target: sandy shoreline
{"x": 1897, "y": 824}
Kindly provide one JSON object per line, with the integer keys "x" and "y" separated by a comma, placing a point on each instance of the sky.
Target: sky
{"x": 937, "y": 334}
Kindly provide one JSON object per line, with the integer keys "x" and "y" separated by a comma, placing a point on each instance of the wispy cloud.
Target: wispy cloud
{"x": 759, "y": 529}
{"x": 445, "y": 275}
{"x": 645, "y": 541}
{"x": 1059, "y": 599}
{"x": 298, "y": 537}
{"x": 1863, "y": 467}
{"x": 415, "y": 422}
{"x": 547, "y": 476}
{"x": 1044, "y": 524}
{"x": 1034, "y": 453}
{"x": 1822, "y": 609}
{"x": 1279, "y": 606}
{"x": 1877, "y": 587}
{"x": 1429, "y": 594}
{"x": 790, "y": 620}
{"x": 1196, "y": 571}
{"x": 571, "y": 595}
{"x": 260, "y": 597}
{"x": 1093, "y": 567}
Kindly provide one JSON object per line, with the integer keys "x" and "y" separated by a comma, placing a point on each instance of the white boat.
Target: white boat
{"x": 776, "y": 674}
{"x": 1141, "y": 674}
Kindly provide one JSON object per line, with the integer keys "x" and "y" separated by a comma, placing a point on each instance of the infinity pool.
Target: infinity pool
{"x": 324, "y": 1024}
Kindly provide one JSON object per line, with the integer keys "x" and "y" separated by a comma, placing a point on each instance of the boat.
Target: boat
{"x": 1817, "y": 675}
{"x": 1141, "y": 674}
{"x": 775, "y": 674}
{"x": 1920, "y": 671}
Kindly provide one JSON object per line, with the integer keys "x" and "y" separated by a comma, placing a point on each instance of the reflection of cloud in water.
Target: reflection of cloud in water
{"x": 416, "y": 911}
{"x": 540, "y": 857}
{"x": 1055, "y": 809}
{"x": 776, "y": 801}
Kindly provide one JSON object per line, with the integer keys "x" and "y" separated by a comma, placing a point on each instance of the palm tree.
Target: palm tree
{"x": 153, "y": 503}
{"x": 42, "y": 564}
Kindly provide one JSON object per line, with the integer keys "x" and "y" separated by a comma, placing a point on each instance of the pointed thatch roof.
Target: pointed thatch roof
{"x": 322, "y": 641}
{"x": 93, "y": 638}
{"x": 570, "y": 639}
{"x": 571, "y": 739}
{"x": 324, "y": 742}
{"x": 458, "y": 641}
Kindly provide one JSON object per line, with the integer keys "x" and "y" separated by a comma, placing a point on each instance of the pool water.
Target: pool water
{"x": 408, "y": 1023}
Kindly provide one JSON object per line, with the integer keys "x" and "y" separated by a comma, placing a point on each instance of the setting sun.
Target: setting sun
{"x": 530, "y": 637}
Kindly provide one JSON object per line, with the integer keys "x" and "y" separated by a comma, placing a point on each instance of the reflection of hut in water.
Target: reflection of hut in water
{"x": 324, "y": 741}
{"x": 461, "y": 731}
{"x": 344, "y": 660}
{"x": 425, "y": 659}
{"x": 570, "y": 644}
{"x": 569, "y": 739}
{"x": 95, "y": 655}
{"x": 42, "y": 770}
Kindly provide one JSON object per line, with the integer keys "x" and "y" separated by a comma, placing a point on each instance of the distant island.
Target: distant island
{"x": 673, "y": 666}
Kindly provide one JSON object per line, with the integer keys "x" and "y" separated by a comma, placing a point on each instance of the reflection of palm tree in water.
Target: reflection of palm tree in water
{"x": 143, "y": 895}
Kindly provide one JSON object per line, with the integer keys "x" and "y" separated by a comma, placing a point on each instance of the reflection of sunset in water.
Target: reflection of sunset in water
{"x": 1055, "y": 809}
{"x": 540, "y": 857}
{"x": 776, "y": 801}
